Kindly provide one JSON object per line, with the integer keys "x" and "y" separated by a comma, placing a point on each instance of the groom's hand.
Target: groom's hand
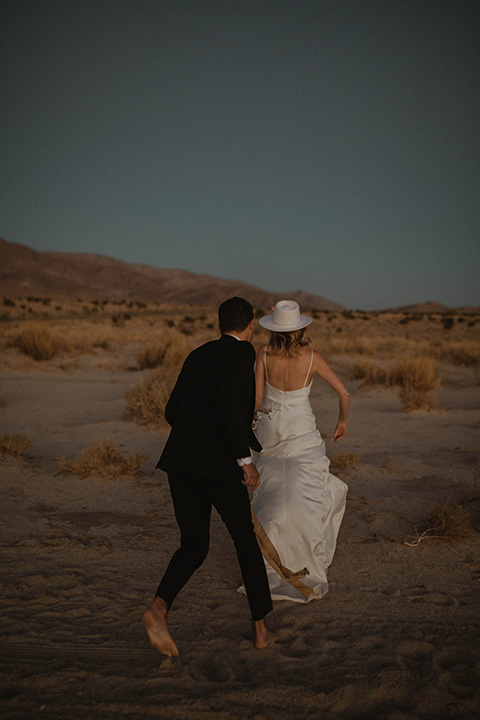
{"x": 251, "y": 476}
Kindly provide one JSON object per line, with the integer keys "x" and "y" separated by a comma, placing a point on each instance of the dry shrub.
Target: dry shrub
{"x": 369, "y": 515}
{"x": 82, "y": 337}
{"x": 178, "y": 349}
{"x": 146, "y": 400}
{"x": 37, "y": 342}
{"x": 417, "y": 372}
{"x": 346, "y": 460}
{"x": 368, "y": 371}
{"x": 363, "y": 346}
{"x": 169, "y": 350}
{"x": 328, "y": 346}
{"x": 104, "y": 460}
{"x": 151, "y": 356}
{"x": 366, "y": 345}
{"x": 417, "y": 376}
{"x": 413, "y": 399}
{"x": 449, "y": 520}
{"x": 14, "y": 444}
{"x": 334, "y": 345}
{"x": 386, "y": 465}
{"x": 457, "y": 352}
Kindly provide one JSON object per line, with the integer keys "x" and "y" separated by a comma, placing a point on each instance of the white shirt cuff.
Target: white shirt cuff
{"x": 245, "y": 461}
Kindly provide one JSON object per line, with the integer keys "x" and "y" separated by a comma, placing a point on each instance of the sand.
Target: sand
{"x": 397, "y": 636}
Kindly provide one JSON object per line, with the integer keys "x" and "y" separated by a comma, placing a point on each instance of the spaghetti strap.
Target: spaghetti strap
{"x": 309, "y": 368}
{"x": 265, "y": 362}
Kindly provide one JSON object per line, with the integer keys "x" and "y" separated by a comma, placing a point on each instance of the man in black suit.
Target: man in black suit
{"x": 208, "y": 463}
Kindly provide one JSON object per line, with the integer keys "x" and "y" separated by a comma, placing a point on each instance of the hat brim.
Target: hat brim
{"x": 267, "y": 323}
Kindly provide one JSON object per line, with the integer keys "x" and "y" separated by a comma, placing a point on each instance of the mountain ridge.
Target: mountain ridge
{"x": 25, "y": 270}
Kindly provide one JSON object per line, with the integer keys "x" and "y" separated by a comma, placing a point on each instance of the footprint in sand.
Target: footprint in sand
{"x": 434, "y": 599}
{"x": 476, "y": 574}
{"x": 210, "y": 668}
{"x": 335, "y": 636}
{"x": 305, "y": 629}
{"x": 458, "y": 671}
{"x": 214, "y": 605}
{"x": 461, "y": 686}
{"x": 370, "y": 642}
{"x": 418, "y": 652}
{"x": 454, "y": 659}
{"x": 297, "y": 649}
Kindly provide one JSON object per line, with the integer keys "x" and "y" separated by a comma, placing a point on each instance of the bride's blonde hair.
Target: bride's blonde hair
{"x": 287, "y": 343}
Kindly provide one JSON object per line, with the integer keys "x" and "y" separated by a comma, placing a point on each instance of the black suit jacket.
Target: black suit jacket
{"x": 210, "y": 411}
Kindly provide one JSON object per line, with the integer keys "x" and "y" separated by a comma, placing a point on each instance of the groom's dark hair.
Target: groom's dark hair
{"x": 234, "y": 315}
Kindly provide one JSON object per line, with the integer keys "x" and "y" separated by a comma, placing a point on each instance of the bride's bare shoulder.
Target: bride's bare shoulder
{"x": 305, "y": 351}
{"x": 317, "y": 357}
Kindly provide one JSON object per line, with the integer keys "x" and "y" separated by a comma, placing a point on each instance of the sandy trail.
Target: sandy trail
{"x": 397, "y": 637}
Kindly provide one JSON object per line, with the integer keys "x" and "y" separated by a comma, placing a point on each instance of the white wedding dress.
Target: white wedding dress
{"x": 299, "y": 503}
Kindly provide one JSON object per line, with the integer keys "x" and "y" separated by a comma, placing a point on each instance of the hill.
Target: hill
{"x": 435, "y": 308}
{"x": 426, "y": 307}
{"x": 24, "y": 271}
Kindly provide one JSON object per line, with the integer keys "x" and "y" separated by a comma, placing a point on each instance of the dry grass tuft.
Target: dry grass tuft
{"x": 151, "y": 356}
{"x": 368, "y": 371}
{"x": 146, "y": 400}
{"x": 415, "y": 374}
{"x": 449, "y": 520}
{"x": 169, "y": 351}
{"x": 14, "y": 444}
{"x": 369, "y": 515}
{"x": 37, "y": 342}
{"x": 334, "y": 345}
{"x": 458, "y": 352}
{"x": 346, "y": 460}
{"x": 83, "y": 337}
{"x": 104, "y": 460}
{"x": 413, "y": 399}
{"x": 386, "y": 465}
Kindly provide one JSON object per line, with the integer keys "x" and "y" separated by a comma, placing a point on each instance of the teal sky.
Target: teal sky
{"x": 330, "y": 146}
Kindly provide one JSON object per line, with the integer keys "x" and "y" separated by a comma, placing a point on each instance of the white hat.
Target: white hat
{"x": 286, "y": 317}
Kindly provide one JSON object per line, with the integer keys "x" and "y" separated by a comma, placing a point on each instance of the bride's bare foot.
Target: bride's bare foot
{"x": 263, "y": 636}
{"x": 155, "y": 620}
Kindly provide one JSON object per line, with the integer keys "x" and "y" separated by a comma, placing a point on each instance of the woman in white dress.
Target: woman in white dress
{"x": 299, "y": 503}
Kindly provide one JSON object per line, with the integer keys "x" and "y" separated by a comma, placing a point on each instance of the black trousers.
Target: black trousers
{"x": 193, "y": 497}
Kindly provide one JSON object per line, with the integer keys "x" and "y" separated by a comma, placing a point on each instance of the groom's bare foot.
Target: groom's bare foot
{"x": 155, "y": 620}
{"x": 263, "y": 636}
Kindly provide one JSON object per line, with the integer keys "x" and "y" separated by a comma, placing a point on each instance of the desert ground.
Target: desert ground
{"x": 87, "y": 527}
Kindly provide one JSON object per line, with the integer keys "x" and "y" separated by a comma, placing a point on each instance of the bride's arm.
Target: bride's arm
{"x": 327, "y": 374}
{"x": 259, "y": 378}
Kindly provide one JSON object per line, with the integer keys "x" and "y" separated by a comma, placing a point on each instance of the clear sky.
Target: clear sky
{"x": 330, "y": 146}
